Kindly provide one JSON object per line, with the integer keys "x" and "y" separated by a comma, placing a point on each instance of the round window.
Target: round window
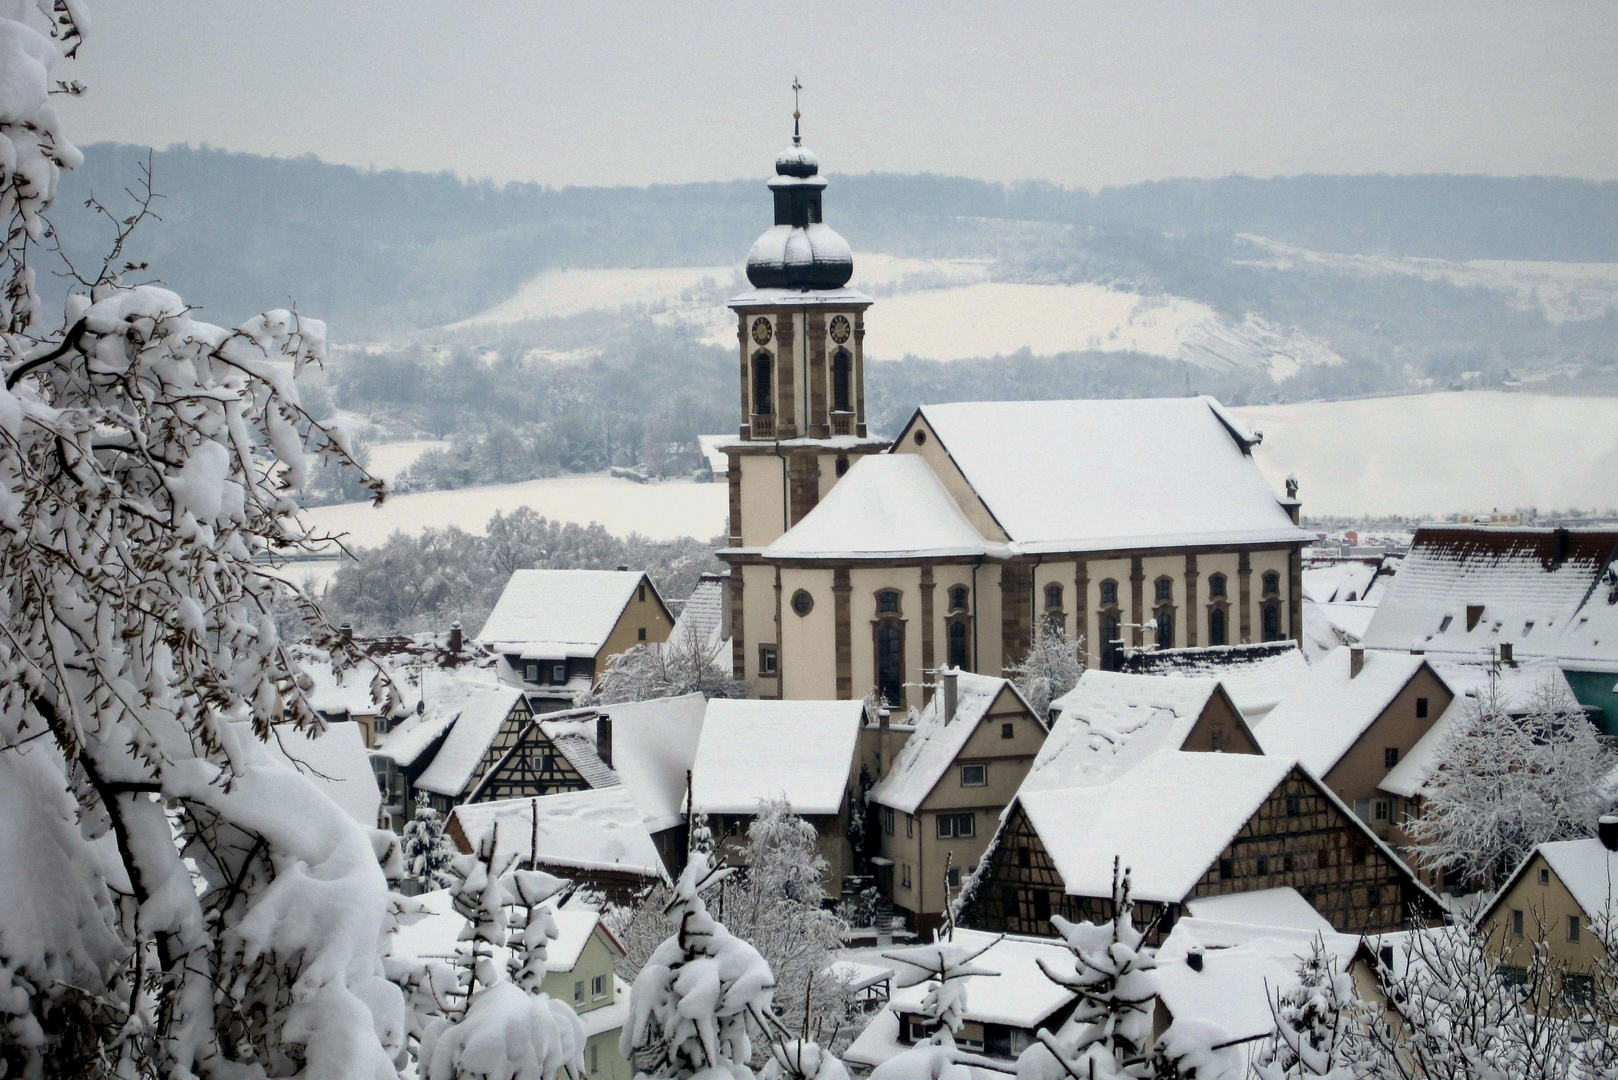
{"x": 802, "y": 602}
{"x": 921, "y": 437}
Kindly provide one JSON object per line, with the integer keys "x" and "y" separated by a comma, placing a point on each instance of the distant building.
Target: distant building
{"x": 554, "y": 630}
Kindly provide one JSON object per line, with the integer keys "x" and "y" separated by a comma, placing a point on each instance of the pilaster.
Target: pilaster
{"x": 844, "y": 643}
{"x": 1244, "y": 595}
{"x": 927, "y": 665}
{"x": 1137, "y": 600}
{"x": 738, "y": 627}
{"x": 1295, "y": 592}
{"x": 817, "y": 424}
{"x": 786, "y": 396}
{"x": 1081, "y": 605}
{"x": 1191, "y": 612}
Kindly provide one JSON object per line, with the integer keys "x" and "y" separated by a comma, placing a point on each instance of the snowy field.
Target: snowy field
{"x": 661, "y": 511}
{"x": 1441, "y": 453}
{"x": 559, "y": 293}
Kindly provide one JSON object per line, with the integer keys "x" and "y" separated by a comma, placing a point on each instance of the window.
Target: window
{"x": 953, "y": 877}
{"x": 1163, "y": 589}
{"x": 887, "y": 820}
{"x": 1272, "y": 584}
{"x": 842, "y": 464}
{"x": 957, "y": 644}
{"x": 1421, "y": 708}
{"x": 578, "y": 992}
{"x": 1373, "y": 895}
{"x": 763, "y": 393}
{"x": 1216, "y": 587}
{"x": 1216, "y": 740}
{"x": 1527, "y": 626}
{"x": 1042, "y": 906}
{"x": 1109, "y": 592}
{"x": 920, "y": 438}
{"x": 1112, "y": 646}
{"x": 559, "y": 673}
{"x": 1286, "y": 863}
{"x": 1390, "y": 757}
{"x": 598, "y": 986}
{"x": 593, "y": 1054}
{"x": 904, "y": 875}
{"x": 1381, "y": 810}
{"x": 1263, "y": 864}
{"x": 1294, "y": 806}
{"x": 1053, "y": 596}
{"x": 1323, "y": 859}
{"x": 957, "y": 598}
{"x": 642, "y": 593}
{"x": 766, "y": 659}
{"x": 1544, "y": 876}
{"x": 1024, "y": 858}
{"x": 1165, "y": 628}
{"x": 640, "y": 633}
{"x": 887, "y": 602}
{"x": 974, "y": 775}
{"x": 1445, "y": 624}
{"x": 1216, "y": 627}
{"x": 1272, "y": 622}
{"x": 1516, "y": 922}
{"x": 1008, "y": 731}
{"x": 910, "y": 827}
{"x": 530, "y": 672}
{"x": 890, "y": 661}
{"x": 1573, "y": 928}
{"x": 802, "y": 603}
{"x": 1225, "y": 870}
{"x": 841, "y": 378}
{"x": 963, "y": 825}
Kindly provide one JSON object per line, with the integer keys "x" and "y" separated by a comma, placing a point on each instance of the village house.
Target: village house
{"x": 554, "y": 630}
{"x": 934, "y": 811}
{"x": 443, "y": 747}
{"x": 857, "y": 563}
{"x": 809, "y": 753}
{"x": 1351, "y": 719}
{"x": 1256, "y": 676}
{"x": 1189, "y": 825}
{"x": 1472, "y": 592}
{"x": 594, "y": 837}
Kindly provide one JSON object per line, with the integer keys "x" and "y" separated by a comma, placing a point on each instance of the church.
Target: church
{"x": 858, "y": 562}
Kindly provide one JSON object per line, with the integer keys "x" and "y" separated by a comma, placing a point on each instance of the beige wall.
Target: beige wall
{"x": 1359, "y": 771}
{"x": 865, "y": 583}
{"x": 808, "y": 642}
{"x": 1548, "y": 906}
{"x": 762, "y": 492}
{"x": 594, "y": 960}
{"x": 937, "y": 456}
{"x": 1263, "y": 562}
{"x": 758, "y": 618}
{"x": 638, "y": 615}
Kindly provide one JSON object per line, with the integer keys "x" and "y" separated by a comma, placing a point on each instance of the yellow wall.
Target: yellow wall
{"x": 638, "y": 615}
{"x": 758, "y": 606}
{"x": 937, "y": 456}
{"x": 809, "y": 642}
{"x": 762, "y": 492}
{"x": 1551, "y": 905}
{"x": 865, "y": 583}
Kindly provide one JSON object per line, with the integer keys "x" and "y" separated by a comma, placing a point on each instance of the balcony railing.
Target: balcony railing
{"x": 842, "y": 423}
{"x": 763, "y": 426}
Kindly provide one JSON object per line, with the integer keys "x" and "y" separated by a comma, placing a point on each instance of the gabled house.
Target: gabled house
{"x": 1479, "y": 591}
{"x": 1350, "y": 721}
{"x": 594, "y": 837}
{"x": 807, "y": 752}
{"x": 554, "y": 630}
{"x": 408, "y": 751}
{"x": 1565, "y": 894}
{"x": 1189, "y": 825}
{"x": 1256, "y": 676}
{"x": 973, "y": 743}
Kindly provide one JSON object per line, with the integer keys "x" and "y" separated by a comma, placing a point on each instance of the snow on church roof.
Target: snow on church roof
{"x": 1101, "y": 475}
{"x": 935, "y": 744}
{"x": 1329, "y": 709}
{"x": 1256, "y": 676}
{"x": 1167, "y": 819}
{"x": 554, "y": 614}
{"x": 1110, "y": 722}
{"x": 479, "y": 710}
{"x": 753, "y": 750}
{"x": 886, "y": 505}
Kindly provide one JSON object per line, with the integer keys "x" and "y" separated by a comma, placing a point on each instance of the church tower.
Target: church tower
{"x": 800, "y": 331}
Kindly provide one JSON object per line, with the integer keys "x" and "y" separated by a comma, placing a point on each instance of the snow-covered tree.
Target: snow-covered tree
{"x": 943, "y": 967}
{"x": 1502, "y": 784}
{"x": 701, "y": 995}
{"x": 428, "y": 853}
{"x": 1050, "y": 669}
{"x": 1321, "y": 1026}
{"x": 177, "y": 896}
{"x": 687, "y": 663}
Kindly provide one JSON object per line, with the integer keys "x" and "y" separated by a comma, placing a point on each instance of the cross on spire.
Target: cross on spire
{"x": 796, "y": 115}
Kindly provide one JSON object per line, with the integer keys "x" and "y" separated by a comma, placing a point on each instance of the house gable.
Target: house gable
{"x": 528, "y": 764}
{"x": 1360, "y": 770}
{"x": 932, "y": 449}
{"x": 1220, "y": 729}
{"x": 1007, "y": 760}
{"x": 643, "y": 611}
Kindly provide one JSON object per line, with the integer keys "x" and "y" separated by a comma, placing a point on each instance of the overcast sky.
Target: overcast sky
{"x": 1082, "y": 94}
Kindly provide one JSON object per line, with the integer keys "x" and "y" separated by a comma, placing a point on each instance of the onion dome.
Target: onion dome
{"x": 799, "y": 251}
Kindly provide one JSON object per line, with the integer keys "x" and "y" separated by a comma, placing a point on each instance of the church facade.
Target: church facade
{"x": 859, "y": 562}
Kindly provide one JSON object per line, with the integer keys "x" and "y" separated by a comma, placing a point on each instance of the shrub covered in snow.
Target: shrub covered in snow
{"x": 427, "y": 852}
{"x": 1050, "y": 669}
{"x": 687, "y": 663}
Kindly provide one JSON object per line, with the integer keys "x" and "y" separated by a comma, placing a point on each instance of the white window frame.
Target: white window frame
{"x": 598, "y": 986}
{"x": 983, "y": 772}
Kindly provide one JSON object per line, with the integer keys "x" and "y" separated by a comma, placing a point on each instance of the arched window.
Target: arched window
{"x": 957, "y": 644}
{"x": 1216, "y": 586}
{"x": 1272, "y": 622}
{"x": 1112, "y": 646}
{"x": 1109, "y": 592}
{"x": 1272, "y": 584}
{"x": 1217, "y": 634}
{"x": 957, "y": 598}
{"x": 1163, "y": 590}
{"x": 763, "y": 387}
{"x": 890, "y": 667}
{"x": 1053, "y": 596}
{"x": 842, "y": 376}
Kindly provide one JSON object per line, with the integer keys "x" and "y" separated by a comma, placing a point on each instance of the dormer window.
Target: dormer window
{"x": 1445, "y": 624}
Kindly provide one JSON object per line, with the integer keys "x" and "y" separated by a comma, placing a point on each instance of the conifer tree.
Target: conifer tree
{"x": 428, "y": 853}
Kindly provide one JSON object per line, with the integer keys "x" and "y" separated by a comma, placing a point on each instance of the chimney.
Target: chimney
{"x": 604, "y": 739}
{"x": 1356, "y": 661}
{"x": 346, "y": 632}
{"x": 621, "y": 569}
{"x": 1193, "y": 959}
{"x": 951, "y": 680}
{"x": 1505, "y": 653}
{"x": 1564, "y": 542}
{"x": 455, "y": 637}
{"x": 882, "y": 731}
{"x": 1474, "y": 615}
{"x": 1607, "y": 829}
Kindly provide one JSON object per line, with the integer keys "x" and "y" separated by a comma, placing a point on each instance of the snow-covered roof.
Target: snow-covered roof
{"x": 1110, "y": 722}
{"x": 1329, "y": 710}
{"x": 1587, "y": 869}
{"x": 1243, "y": 968}
{"x": 479, "y": 710}
{"x": 594, "y": 829}
{"x": 703, "y": 614}
{"x": 930, "y": 751}
{"x": 1326, "y": 626}
{"x": 1516, "y": 685}
{"x": 1343, "y": 582}
{"x": 554, "y": 614}
{"x": 1281, "y": 908}
{"x": 718, "y": 461}
{"x": 654, "y": 743}
{"x": 1168, "y": 818}
{"x": 575, "y": 926}
{"x": 1256, "y": 676}
{"x": 338, "y": 763}
{"x": 406, "y": 659}
{"x": 754, "y": 750}
{"x": 1541, "y": 591}
{"x": 886, "y": 505}
{"x": 1019, "y": 995}
{"x": 440, "y": 699}
{"x": 435, "y": 935}
{"x": 1138, "y": 473}
{"x": 574, "y": 737}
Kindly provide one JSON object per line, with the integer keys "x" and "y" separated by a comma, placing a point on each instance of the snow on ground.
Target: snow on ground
{"x": 661, "y": 511}
{"x": 559, "y": 293}
{"x": 388, "y": 460}
{"x": 1439, "y": 453}
{"x": 1562, "y": 291}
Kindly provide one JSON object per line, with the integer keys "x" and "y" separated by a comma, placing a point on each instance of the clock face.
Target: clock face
{"x": 761, "y": 330}
{"x": 840, "y": 329}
